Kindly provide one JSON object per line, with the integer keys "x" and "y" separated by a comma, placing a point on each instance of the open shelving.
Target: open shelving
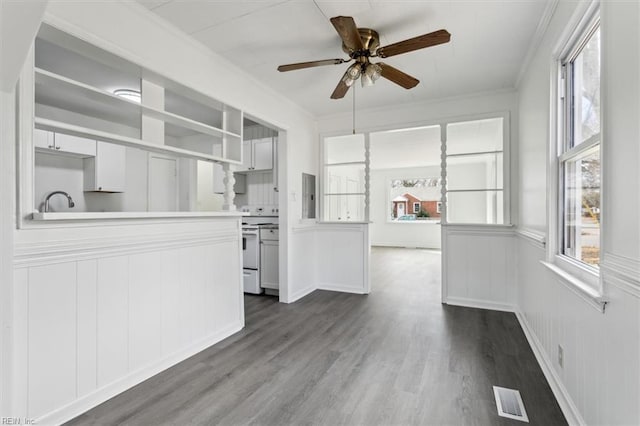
{"x": 192, "y": 125}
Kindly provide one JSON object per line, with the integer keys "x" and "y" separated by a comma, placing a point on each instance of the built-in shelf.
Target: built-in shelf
{"x": 71, "y": 129}
{"x": 46, "y": 79}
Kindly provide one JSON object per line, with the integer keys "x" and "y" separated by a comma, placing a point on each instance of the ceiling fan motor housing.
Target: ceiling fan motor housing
{"x": 370, "y": 41}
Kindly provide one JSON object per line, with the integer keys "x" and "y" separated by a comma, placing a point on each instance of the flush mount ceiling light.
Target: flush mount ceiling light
{"x": 129, "y": 94}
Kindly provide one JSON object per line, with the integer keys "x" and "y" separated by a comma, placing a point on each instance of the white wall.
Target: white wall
{"x": 422, "y": 234}
{"x": 600, "y": 380}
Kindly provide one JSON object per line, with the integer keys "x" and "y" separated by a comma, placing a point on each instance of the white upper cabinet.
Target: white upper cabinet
{"x": 59, "y": 143}
{"x": 247, "y": 156}
{"x": 106, "y": 171}
{"x": 75, "y": 145}
{"x": 263, "y": 154}
{"x": 257, "y": 155}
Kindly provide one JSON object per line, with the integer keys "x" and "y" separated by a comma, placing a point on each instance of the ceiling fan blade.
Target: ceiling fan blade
{"x": 311, "y": 64}
{"x": 346, "y": 28}
{"x": 420, "y": 42}
{"x": 341, "y": 89}
{"x": 398, "y": 77}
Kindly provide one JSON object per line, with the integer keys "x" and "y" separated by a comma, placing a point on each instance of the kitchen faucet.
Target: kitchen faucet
{"x": 46, "y": 201}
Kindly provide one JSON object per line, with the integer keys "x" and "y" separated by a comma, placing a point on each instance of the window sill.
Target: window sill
{"x": 585, "y": 291}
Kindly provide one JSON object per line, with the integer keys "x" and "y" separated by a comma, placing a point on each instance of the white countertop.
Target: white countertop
{"x": 131, "y": 215}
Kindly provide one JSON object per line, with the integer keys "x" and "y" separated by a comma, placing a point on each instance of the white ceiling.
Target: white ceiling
{"x": 489, "y": 42}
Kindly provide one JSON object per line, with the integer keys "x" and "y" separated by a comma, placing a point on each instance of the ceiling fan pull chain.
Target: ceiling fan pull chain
{"x": 354, "y": 109}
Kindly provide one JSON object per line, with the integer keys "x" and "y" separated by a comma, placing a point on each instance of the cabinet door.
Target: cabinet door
{"x": 43, "y": 139}
{"x": 106, "y": 172}
{"x": 247, "y": 157}
{"x": 269, "y": 277}
{"x": 68, "y": 144}
{"x": 263, "y": 154}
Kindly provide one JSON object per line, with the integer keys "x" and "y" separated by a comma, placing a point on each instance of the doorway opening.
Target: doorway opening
{"x": 405, "y": 199}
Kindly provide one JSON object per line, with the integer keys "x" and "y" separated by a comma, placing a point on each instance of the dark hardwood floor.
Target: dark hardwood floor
{"x": 394, "y": 357}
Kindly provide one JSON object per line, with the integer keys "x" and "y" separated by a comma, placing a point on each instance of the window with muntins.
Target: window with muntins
{"x": 579, "y": 150}
{"x": 344, "y": 179}
{"x": 475, "y": 171}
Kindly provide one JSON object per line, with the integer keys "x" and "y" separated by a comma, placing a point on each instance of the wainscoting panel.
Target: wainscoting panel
{"x": 599, "y": 380}
{"x": 479, "y": 266}
{"x": 343, "y": 257}
{"x": 304, "y": 271}
{"x": 95, "y": 325}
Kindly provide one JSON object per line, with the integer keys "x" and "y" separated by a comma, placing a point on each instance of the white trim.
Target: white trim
{"x": 56, "y": 251}
{"x": 406, "y": 245}
{"x": 7, "y": 230}
{"x": 355, "y": 288}
{"x": 479, "y": 304}
{"x": 621, "y": 272}
{"x": 581, "y": 278}
{"x": 586, "y": 292}
{"x": 537, "y": 38}
{"x": 568, "y": 407}
{"x": 97, "y": 397}
{"x": 536, "y": 238}
{"x": 301, "y": 293}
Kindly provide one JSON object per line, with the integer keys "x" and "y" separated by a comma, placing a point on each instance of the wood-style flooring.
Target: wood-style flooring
{"x": 394, "y": 357}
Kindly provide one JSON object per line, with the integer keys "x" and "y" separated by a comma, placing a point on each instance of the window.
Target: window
{"x": 344, "y": 179}
{"x": 579, "y": 149}
{"x": 475, "y": 171}
{"x": 421, "y": 195}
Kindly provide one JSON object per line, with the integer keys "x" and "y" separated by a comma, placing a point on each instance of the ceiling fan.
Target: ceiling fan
{"x": 364, "y": 43}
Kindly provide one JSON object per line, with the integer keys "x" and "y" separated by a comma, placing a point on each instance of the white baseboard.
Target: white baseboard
{"x": 480, "y": 304}
{"x": 301, "y": 293}
{"x": 87, "y": 402}
{"x": 568, "y": 407}
{"x": 342, "y": 288}
{"x": 405, "y": 245}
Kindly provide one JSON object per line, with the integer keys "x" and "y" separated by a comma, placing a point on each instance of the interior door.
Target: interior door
{"x": 163, "y": 184}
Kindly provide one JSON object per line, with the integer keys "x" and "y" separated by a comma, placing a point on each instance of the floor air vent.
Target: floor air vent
{"x": 510, "y": 404}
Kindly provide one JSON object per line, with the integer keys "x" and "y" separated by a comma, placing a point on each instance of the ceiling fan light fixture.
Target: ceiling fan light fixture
{"x": 371, "y": 73}
{"x": 366, "y": 80}
{"x": 352, "y": 74}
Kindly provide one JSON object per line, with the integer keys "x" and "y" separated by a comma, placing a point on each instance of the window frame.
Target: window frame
{"x": 506, "y": 168}
{"x": 325, "y": 165}
{"x": 581, "y": 275}
{"x": 414, "y": 207}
